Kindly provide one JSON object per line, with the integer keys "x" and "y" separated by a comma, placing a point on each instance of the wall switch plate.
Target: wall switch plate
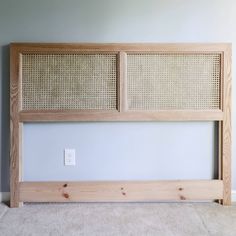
{"x": 69, "y": 157}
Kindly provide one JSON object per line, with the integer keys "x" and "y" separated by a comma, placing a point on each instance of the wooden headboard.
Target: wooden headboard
{"x": 120, "y": 82}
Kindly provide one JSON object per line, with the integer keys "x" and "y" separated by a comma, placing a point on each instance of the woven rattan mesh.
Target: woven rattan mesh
{"x": 173, "y": 81}
{"x": 69, "y": 81}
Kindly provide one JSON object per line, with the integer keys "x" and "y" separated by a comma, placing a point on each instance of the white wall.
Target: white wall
{"x": 119, "y": 151}
{"x": 113, "y": 21}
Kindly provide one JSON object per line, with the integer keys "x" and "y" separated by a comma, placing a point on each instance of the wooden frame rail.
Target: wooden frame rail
{"x": 65, "y": 191}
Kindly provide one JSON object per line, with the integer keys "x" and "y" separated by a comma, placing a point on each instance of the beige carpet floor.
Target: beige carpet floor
{"x": 164, "y": 219}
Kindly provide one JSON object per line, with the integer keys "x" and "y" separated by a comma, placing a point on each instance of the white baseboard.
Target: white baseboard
{"x": 233, "y": 195}
{"x": 5, "y": 196}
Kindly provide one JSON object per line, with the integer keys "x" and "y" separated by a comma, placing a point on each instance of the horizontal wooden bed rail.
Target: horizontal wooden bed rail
{"x": 116, "y": 47}
{"x": 44, "y": 116}
{"x": 121, "y": 191}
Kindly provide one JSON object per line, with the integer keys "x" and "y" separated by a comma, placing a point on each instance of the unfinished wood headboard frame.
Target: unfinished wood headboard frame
{"x": 176, "y": 190}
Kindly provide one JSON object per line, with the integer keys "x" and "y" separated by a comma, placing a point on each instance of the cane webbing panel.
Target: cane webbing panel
{"x": 173, "y": 81}
{"x": 69, "y": 81}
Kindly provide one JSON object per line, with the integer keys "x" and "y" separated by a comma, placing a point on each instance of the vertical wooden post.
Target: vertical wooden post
{"x": 15, "y": 130}
{"x": 122, "y": 82}
{"x": 226, "y": 128}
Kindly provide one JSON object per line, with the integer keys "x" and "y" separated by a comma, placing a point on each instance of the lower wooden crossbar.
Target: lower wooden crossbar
{"x": 121, "y": 191}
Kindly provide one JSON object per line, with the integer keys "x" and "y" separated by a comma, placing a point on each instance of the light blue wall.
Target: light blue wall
{"x": 119, "y": 151}
{"x": 112, "y": 21}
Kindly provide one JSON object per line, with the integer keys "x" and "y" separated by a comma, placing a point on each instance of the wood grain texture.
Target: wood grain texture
{"x": 116, "y": 47}
{"x": 121, "y": 191}
{"x": 123, "y": 106}
{"x": 15, "y": 130}
{"x": 50, "y": 116}
{"x": 226, "y": 128}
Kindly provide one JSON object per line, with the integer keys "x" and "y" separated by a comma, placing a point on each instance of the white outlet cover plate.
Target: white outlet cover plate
{"x": 69, "y": 157}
